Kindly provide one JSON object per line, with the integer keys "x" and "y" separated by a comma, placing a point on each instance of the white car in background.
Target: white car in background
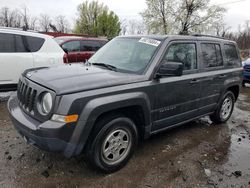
{"x": 21, "y": 50}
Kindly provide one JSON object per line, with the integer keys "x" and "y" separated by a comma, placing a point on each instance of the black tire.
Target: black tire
{"x": 219, "y": 116}
{"x": 106, "y": 134}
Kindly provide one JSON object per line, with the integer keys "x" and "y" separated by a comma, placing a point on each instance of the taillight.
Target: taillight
{"x": 65, "y": 58}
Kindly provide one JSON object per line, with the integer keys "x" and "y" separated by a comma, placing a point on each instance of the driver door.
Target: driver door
{"x": 176, "y": 97}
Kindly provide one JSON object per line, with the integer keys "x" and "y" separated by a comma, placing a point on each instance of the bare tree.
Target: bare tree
{"x": 190, "y": 17}
{"x": 9, "y": 18}
{"x": 25, "y": 18}
{"x": 182, "y": 16}
{"x": 124, "y": 27}
{"x": 62, "y": 24}
{"x": 33, "y": 23}
{"x": 16, "y": 20}
{"x": 44, "y": 22}
{"x": 136, "y": 27}
{"x": 157, "y": 16}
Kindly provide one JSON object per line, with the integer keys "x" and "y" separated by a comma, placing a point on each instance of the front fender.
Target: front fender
{"x": 98, "y": 106}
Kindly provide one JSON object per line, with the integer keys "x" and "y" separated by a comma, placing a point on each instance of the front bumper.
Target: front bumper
{"x": 42, "y": 135}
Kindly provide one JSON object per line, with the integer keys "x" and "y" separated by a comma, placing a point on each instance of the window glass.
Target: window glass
{"x": 7, "y": 43}
{"x": 72, "y": 46}
{"x": 231, "y": 54}
{"x": 34, "y": 43}
{"x": 20, "y": 47}
{"x": 131, "y": 55}
{"x": 211, "y": 54}
{"x": 90, "y": 45}
{"x": 184, "y": 53}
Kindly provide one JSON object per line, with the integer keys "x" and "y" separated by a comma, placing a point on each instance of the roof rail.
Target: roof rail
{"x": 201, "y": 35}
{"x": 18, "y": 29}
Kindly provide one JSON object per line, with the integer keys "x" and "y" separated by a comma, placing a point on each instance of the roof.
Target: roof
{"x": 183, "y": 37}
{"x": 22, "y": 32}
{"x": 156, "y": 37}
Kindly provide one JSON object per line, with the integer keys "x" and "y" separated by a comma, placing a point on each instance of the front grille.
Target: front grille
{"x": 26, "y": 96}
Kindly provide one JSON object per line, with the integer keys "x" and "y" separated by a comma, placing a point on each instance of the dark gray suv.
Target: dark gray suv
{"x": 130, "y": 89}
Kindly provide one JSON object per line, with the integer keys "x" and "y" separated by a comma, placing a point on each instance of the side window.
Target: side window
{"x": 184, "y": 53}
{"x": 211, "y": 54}
{"x": 72, "y": 46}
{"x": 34, "y": 43}
{"x": 90, "y": 45}
{"x": 232, "y": 57}
{"x": 20, "y": 46}
{"x": 7, "y": 43}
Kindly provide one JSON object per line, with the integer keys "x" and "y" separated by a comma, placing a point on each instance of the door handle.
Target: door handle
{"x": 222, "y": 76}
{"x": 194, "y": 81}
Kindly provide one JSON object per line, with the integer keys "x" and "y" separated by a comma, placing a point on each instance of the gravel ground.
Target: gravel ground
{"x": 198, "y": 154}
{"x": 4, "y": 96}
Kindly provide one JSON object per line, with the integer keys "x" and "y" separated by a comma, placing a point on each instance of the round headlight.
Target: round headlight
{"x": 46, "y": 103}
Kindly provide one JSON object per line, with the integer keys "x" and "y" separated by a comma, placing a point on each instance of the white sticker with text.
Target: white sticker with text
{"x": 150, "y": 41}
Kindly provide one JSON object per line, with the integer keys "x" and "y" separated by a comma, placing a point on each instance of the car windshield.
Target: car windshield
{"x": 130, "y": 55}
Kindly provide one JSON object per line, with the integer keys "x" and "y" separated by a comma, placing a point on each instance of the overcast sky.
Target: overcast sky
{"x": 238, "y": 10}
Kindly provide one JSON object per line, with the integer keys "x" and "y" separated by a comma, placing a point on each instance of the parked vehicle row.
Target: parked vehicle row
{"x": 132, "y": 88}
{"x": 21, "y": 50}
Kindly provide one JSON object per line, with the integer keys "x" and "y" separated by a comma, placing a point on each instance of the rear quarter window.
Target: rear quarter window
{"x": 34, "y": 43}
{"x": 211, "y": 55}
{"x": 232, "y": 57}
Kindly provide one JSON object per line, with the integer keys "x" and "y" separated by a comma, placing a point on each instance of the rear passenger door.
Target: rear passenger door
{"x": 212, "y": 76}
{"x": 14, "y": 58}
{"x": 176, "y": 97}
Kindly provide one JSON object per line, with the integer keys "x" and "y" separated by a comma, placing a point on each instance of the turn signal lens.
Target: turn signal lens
{"x": 65, "y": 119}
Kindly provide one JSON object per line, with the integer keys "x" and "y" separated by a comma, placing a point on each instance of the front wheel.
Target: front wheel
{"x": 224, "y": 109}
{"x": 113, "y": 145}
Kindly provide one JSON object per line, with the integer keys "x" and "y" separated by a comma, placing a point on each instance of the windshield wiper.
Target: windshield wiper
{"x": 108, "y": 66}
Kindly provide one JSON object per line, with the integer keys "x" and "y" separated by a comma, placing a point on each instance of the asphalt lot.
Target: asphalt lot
{"x": 198, "y": 154}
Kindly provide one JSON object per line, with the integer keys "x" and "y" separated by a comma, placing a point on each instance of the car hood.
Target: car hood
{"x": 75, "y": 78}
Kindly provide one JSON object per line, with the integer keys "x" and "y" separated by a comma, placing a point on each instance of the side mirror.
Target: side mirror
{"x": 170, "y": 69}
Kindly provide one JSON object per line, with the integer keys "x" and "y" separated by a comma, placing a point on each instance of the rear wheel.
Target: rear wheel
{"x": 113, "y": 145}
{"x": 224, "y": 109}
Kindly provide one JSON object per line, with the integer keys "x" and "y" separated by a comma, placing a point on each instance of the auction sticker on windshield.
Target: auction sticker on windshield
{"x": 150, "y": 41}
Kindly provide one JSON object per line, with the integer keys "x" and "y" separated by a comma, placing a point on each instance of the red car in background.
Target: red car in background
{"x": 79, "y": 49}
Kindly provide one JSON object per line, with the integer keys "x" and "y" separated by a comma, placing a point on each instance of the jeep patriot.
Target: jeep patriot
{"x": 132, "y": 88}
